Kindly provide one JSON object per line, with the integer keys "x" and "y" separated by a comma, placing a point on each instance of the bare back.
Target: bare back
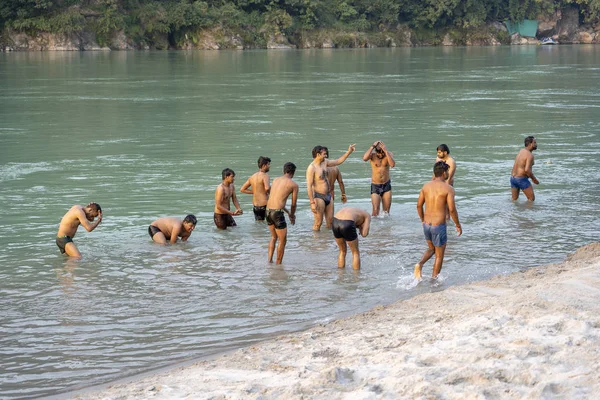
{"x": 168, "y": 225}
{"x": 259, "y": 182}
{"x": 523, "y": 164}
{"x": 380, "y": 169}
{"x": 280, "y": 190}
{"x": 71, "y": 221}
{"x": 436, "y": 195}
{"x": 361, "y": 218}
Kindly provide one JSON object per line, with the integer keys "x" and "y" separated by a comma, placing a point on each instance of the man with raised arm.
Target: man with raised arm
{"x": 523, "y": 169}
{"x": 317, "y": 183}
{"x": 260, "y": 185}
{"x": 436, "y": 195}
{"x": 443, "y": 154}
{"x": 168, "y": 229}
{"x": 345, "y": 224}
{"x": 280, "y": 190}
{"x": 334, "y": 174}
{"x": 381, "y": 187}
{"x": 77, "y": 215}
{"x": 225, "y": 192}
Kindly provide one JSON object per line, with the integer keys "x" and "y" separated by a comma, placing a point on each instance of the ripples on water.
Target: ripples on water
{"x": 149, "y": 136}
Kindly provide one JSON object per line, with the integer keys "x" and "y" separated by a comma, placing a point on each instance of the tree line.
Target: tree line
{"x": 144, "y": 21}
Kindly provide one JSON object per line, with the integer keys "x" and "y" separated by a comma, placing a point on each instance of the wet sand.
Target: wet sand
{"x": 529, "y": 335}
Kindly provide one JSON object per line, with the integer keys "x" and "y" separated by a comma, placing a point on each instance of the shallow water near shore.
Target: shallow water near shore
{"x": 146, "y": 134}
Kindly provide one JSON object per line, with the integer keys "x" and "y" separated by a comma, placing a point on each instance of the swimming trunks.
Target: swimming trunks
{"x": 222, "y": 221}
{"x": 259, "y": 212}
{"x": 61, "y": 242}
{"x": 276, "y": 217}
{"x": 519, "y": 182}
{"x": 153, "y": 230}
{"x": 436, "y": 234}
{"x": 380, "y": 189}
{"x": 325, "y": 197}
{"x": 344, "y": 228}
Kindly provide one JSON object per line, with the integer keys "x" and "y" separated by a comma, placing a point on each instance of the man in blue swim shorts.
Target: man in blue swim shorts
{"x": 522, "y": 171}
{"x": 436, "y": 195}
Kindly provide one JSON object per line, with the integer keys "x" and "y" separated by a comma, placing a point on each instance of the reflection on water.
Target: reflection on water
{"x": 146, "y": 135}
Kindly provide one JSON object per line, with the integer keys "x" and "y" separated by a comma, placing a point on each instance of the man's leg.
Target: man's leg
{"x": 426, "y": 256}
{"x": 439, "y": 260}
{"x": 72, "y": 250}
{"x": 342, "y": 255}
{"x": 282, "y": 236}
{"x": 515, "y": 193}
{"x": 159, "y": 238}
{"x": 375, "y": 200}
{"x": 272, "y": 242}
{"x": 320, "y": 208}
{"x": 386, "y": 200}
{"x": 529, "y": 193}
{"x": 329, "y": 214}
{"x": 355, "y": 254}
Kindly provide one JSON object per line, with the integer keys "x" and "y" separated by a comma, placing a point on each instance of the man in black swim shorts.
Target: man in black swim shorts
{"x": 345, "y": 224}
{"x": 280, "y": 191}
{"x": 258, "y": 185}
{"x": 168, "y": 229}
{"x": 77, "y": 215}
{"x": 381, "y": 187}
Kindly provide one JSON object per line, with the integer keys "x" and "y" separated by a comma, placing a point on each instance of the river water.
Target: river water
{"x": 146, "y": 135}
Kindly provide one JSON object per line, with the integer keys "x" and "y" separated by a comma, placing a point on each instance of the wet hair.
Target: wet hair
{"x": 289, "y": 168}
{"x": 327, "y": 150}
{"x": 95, "y": 207}
{"x": 443, "y": 147}
{"x": 263, "y": 161}
{"x": 439, "y": 168}
{"x": 191, "y": 218}
{"x": 317, "y": 149}
{"x": 227, "y": 172}
{"x": 529, "y": 140}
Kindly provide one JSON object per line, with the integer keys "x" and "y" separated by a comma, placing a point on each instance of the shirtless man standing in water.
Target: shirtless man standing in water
{"x": 522, "y": 170}
{"x": 260, "y": 184}
{"x": 436, "y": 195}
{"x": 381, "y": 187}
{"x": 443, "y": 154}
{"x": 280, "y": 191}
{"x": 224, "y": 193}
{"x": 77, "y": 215}
{"x": 334, "y": 174}
{"x": 317, "y": 183}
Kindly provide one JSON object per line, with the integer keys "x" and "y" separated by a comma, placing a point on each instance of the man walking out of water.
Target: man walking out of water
{"x": 77, "y": 215}
{"x": 443, "y": 154}
{"x": 381, "y": 187}
{"x": 317, "y": 183}
{"x": 436, "y": 195}
{"x": 260, "y": 184}
{"x": 334, "y": 174}
{"x": 522, "y": 170}
{"x": 225, "y": 192}
{"x": 168, "y": 229}
{"x": 280, "y": 191}
{"x": 345, "y": 224}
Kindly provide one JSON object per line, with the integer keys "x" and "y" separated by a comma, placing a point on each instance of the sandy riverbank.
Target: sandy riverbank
{"x": 528, "y": 335}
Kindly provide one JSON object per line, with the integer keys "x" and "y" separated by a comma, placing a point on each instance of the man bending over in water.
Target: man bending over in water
{"x": 224, "y": 193}
{"x": 436, "y": 195}
{"x": 317, "y": 183}
{"x": 381, "y": 186}
{"x": 170, "y": 228}
{"x": 522, "y": 170}
{"x": 280, "y": 191}
{"x": 259, "y": 182}
{"x": 77, "y": 215}
{"x": 345, "y": 224}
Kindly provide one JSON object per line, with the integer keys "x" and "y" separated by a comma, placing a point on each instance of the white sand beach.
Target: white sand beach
{"x": 529, "y": 335}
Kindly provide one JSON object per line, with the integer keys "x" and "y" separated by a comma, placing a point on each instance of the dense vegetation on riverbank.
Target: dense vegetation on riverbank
{"x": 146, "y": 20}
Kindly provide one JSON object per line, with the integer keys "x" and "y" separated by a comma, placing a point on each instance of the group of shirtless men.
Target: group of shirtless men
{"x": 269, "y": 201}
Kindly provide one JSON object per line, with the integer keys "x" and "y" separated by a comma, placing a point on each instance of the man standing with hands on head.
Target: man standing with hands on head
{"x": 77, "y": 215}
{"x": 280, "y": 191}
{"x": 381, "y": 187}
{"x": 436, "y": 195}
{"x": 317, "y": 183}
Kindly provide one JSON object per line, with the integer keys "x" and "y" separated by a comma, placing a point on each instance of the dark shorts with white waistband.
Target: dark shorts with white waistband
{"x": 260, "y": 212}
{"x": 380, "y": 189}
{"x": 276, "y": 217}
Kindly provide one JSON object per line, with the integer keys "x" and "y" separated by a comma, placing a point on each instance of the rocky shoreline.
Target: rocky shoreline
{"x": 563, "y": 26}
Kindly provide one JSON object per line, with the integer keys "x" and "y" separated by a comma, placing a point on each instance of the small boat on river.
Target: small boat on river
{"x": 548, "y": 41}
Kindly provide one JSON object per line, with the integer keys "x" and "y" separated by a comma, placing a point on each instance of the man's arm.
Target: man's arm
{"x": 453, "y": 211}
{"x": 175, "y": 232}
{"x": 451, "y": 171}
{"x": 342, "y": 187}
{"x": 238, "y": 209}
{"x": 369, "y": 153}
{"x": 420, "y": 204}
{"x": 388, "y": 154}
{"x": 529, "y": 169}
{"x": 245, "y": 186}
{"x": 292, "y": 213}
{"x": 309, "y": 187}
{"x": 343, "y": 158}
{"x": 267, "y": 183}
{"x": 364, "y": 229}
{"x": 89, "y": 226}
